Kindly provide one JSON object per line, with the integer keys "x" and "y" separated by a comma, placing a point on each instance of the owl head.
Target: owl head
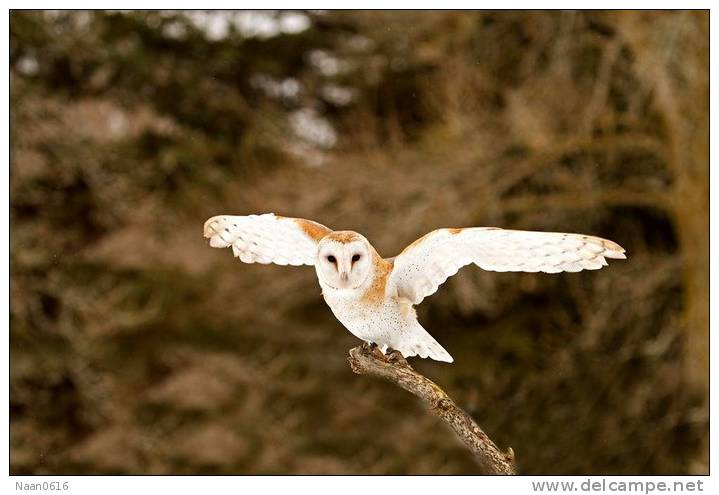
{"x": 344, "y": 260}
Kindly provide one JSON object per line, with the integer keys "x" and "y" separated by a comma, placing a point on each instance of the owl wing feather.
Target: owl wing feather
{"x": 426, "y": 263}
{"x": 267, "y": 238}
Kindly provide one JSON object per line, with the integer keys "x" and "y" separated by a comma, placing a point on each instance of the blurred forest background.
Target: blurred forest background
{"x": 136, "y": 348}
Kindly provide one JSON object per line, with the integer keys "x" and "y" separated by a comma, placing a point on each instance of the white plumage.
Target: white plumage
{"x": 263, "y": 239}
{"x": 374, "y": 297}
{"x": 427, "y": 263}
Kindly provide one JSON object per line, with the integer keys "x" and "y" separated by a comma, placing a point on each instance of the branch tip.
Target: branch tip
{"x": 393, "y": 367}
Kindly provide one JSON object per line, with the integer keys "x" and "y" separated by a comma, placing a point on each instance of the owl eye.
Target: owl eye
{"x": 331, "y": 259}
{"x": 355, "y": 258}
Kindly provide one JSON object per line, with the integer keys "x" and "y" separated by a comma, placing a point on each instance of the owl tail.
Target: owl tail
{"x": 420, "y": 343}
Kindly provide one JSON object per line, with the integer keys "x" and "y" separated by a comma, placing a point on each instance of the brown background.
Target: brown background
{"x": 135, "y": 348}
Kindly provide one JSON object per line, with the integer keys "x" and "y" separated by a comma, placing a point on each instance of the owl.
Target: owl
{"x": 374, "y": 297}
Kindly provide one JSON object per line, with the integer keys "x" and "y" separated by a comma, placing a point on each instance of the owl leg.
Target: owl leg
{"x": 386, "y": 353}
{"x": 376, "y": 351}
{"x": 394, "y": 356}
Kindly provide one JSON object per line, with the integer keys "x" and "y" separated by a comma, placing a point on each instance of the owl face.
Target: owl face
{"x": 343, "y": 262}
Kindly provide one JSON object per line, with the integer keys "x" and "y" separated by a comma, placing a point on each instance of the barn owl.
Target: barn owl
{"x": 374, "y": 297}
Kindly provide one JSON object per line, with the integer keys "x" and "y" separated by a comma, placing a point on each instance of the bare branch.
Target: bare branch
{"x": 366, "y": 360}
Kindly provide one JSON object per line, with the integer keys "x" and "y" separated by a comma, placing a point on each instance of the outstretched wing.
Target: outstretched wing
{"x": 267, "y": 238}
{"x": 426, "y": 263}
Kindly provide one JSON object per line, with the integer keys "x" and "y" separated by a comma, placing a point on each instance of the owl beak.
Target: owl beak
{"x": 344, "y": 276}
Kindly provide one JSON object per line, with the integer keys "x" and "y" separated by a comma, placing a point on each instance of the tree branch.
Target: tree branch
{"x": 366, "y": 360}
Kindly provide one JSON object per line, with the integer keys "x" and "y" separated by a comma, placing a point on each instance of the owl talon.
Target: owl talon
{"x": 377, "y": 352}
{"x": 394, "y": 356}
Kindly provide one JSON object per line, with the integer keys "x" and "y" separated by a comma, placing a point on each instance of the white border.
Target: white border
{"x": 293, "y": 484}
{"x": 366, "y": 4}
{"x": 361, "y": 485}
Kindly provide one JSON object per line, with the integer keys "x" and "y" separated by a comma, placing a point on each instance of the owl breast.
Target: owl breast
{"x": 382, "y": 321}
